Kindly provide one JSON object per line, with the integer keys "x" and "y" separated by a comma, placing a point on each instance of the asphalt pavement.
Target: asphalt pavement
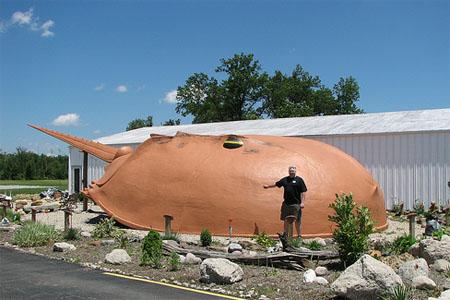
{"x": 27, "y": 276}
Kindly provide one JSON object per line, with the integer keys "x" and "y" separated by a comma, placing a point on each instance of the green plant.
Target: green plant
{"x": 172, "y": 236}
{"x": 313, "y": 245}
{"x": 121, "y": 239}
{"x": 72, "y": 234}
{"x": 402, "y": 244}
{"x": 174, "y": 261}
{"x": 105, "y": 228}
{"x": 447, "y": 273}
{"x": 205, "y": 238}
{"x": 352, "y": 232}
{"x": 271, "y": 272}
{"x": 33, "y": 234}
{"x": 12, "y": 216}
{"x": 295, "y": 242}
{"x": 152, "y": 248}
{"x": 399, "y": 292}
{"x": 264, "y": 240}
{"x": 439, "y": 233}
{"x": 419, "y": 208}
{"x": 397, "y": 209}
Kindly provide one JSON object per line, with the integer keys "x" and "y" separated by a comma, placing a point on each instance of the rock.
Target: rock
{"x": 375, "y": 253}
{"x": 191, "y": 259}
{"x": 220, "y": 270}
{"x": 423, "y": 283}
{"x": 445, "y": 295}
{"x": 107, "y": 242}
{"x": 441, "y": 265}
{"x": 445, "y": 238}
{"x": 21, "y": 202}
{"x": 415, "y": 250}
{"x": 320, "y": 241}
{"x": 432, "y": 250}
{"x": 182, "y": 258}
{"x": 63, "y": 247}
{"x": 309, "y": 276}
{"x": 86, "y": 234}
{"x": 321, "y": 280}
{"x": 171, "y": 243}
{"x": 321, "y": 271}
{"x": 236, "y": 253}
{"x": 367, "y": 278}
{"x": 411, "y": 269}
{"x": 117, "y": 257}
{"x": 234, "y": 247}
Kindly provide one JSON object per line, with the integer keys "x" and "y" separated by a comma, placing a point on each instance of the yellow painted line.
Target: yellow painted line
{"x": 172, "y": 286}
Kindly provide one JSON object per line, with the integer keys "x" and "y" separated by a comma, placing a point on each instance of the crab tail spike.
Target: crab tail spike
{"x": 104, "y": 152}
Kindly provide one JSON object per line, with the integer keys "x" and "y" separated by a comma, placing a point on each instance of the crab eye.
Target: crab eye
{"x": 233, "y": 142}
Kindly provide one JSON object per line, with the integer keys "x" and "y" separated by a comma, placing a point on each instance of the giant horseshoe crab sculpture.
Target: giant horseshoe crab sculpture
{"x": 217, "y": 181}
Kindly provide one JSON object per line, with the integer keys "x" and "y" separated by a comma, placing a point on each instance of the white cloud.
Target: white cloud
{"x": 46, "y": 29}
{"x": 121, "y": 88}
{"x": 99, "y": 87}
{"x": 171, "y": 97}
{"x": 66, "y": 120}
{"x": 28, "y": 20}
{"x": 22, "y": 18}
{"x": 97, "y": 131}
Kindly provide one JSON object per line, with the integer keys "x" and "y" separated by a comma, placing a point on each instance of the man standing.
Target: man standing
{"x": 294, "y": 200}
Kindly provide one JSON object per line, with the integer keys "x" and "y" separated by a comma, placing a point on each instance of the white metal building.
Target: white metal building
{"x": 407, "y": 152}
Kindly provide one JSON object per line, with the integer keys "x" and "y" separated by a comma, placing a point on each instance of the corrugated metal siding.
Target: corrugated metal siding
{"x": 408, "y": 167}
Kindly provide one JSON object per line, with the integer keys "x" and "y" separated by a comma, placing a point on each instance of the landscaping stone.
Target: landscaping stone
{"x": 220, "y": 270}
{"x": 182, "y": 258}
{"x": 117, "y": 257}
{"x": 321, "y": 271}
{"x": 441, "y": 265}
{"x": 321, "y": 280}
{"x": 411, "y": 269}
{"x": 171, "y": 243}
{"x": 415, "y": 250}
{"x": 432, "y": 250}
{"x": 191, "y": 259}
{"x": 63, "y": 247}
{"x": 234, "y": 247}
{"x": 86, "y": 234}
{"x": 367, "y": 278}
{"x": 309, "y": 276}
{"x": 423, "y": 283}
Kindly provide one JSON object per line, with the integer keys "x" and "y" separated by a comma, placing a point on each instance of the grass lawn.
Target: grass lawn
{"x": 43, "y": 183}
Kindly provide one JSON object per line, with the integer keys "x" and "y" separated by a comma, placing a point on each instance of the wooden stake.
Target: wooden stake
{"x": 85, "y": 179}
{"x": 67, "y": 224}
{"x": 168, "y": 225}
{"x": 412, "y": 224}
{"x": 33, "y": 215}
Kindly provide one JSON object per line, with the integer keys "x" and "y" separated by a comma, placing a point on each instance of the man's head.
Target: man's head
{"x": 292, "y": 171}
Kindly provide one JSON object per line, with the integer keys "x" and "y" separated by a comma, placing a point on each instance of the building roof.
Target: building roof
{"x": 370, "y": 123}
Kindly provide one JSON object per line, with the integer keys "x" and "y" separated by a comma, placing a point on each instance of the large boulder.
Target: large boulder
{"x": 117, "y": 257}
{"x": 367, "y": 278}
{"x": 220, "y": 270}
{"x": 411, "y": 269}
{"x": 441, "y": 265}
{"x": 234, "y": 247}
{"x": 432, "y": 250}
{"x": 63, "y": 247}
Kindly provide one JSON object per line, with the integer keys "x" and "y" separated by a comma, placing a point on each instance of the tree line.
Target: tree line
{"x": 241, "y": 90}
{"x": 28, "y": 165}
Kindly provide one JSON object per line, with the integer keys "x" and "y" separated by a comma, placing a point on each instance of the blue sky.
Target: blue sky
{"x": 89, "y": 67}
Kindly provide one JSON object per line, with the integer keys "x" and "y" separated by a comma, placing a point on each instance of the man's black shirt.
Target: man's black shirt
{"x": 293, "y": 187}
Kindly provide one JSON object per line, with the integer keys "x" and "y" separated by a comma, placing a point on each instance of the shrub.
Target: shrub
{"x": 33, "y": 234}
{"x": 295, "y": 242}
{"x": 402, "y": 244}
{"x": 12, "y": 216}
{"x": 352, "y": 232}
{"x": 172, "y": 236}
{"x": 314, "y": 245}
{"x": 121, "y": 239}
{"x": 439, "y": 233}
{"x": 72, "y": 234}
{"x": 419, "y": 208}
{"x": 264, "y": 240}
{"x": 152, "y": 249}
{"x": 105, "y": 228}
{"x": 205, "y": 238}
{"x": 174, "y": 261}
{"x": 400, "y": 292}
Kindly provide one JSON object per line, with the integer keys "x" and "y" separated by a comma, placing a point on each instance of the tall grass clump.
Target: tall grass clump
{"x": 266, "y": 241}
{"x": 152, "y": 250}
{"x": 12, "y": 216}
{"x": 72, "y": 234}
{"x": 353, "y": 228}
{"x": 33, "y": 234}
{"x": 402, "y": 244}
{"x": 400, "y": 292}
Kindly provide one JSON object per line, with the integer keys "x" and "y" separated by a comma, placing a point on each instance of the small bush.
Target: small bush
{"x": 33, "y": 234}
{"x": 264, "y": 240}
{"x": 121, "y": 239}
{"x": 439, "y": 233}
{"x": 12, "y": 216}
{"x": 152, "y": 248}
{"x": 172, "y": 236}
{"x": 205, "y": 238}
{"x": 105, "y": 228}
{"x": 400, "y": 292}
{"x": 174, "y": 261}
{"x": 352, "y": 232}
{"x": 295, "y": 242}
{"x": 402, "y": 244}
{"x": 419, "y": 208}
{"x": 72, "y": 234}
{"x": 314, "y": 245}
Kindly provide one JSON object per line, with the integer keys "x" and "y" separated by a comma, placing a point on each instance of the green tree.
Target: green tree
{"x": 139, "y": 123}
{"x": 346, "y": 92}
{"x": 171, "y": 122}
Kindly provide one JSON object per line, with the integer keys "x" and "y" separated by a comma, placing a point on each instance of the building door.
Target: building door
{"x": 76, "y": 180}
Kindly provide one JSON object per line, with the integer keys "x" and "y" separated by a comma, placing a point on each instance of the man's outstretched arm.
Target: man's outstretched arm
{"x": 269, "y": 186}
